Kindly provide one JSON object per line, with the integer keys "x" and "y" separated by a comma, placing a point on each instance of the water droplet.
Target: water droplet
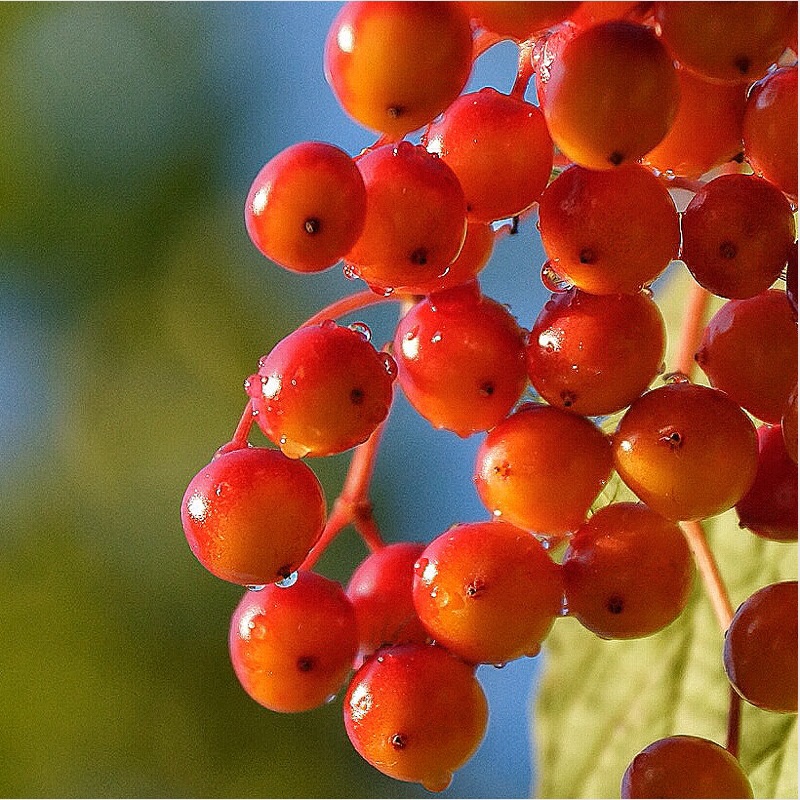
{"x": 362, "y": 329}
{"x": 289, "y": 580}
{"x": 500, "y": 665}
{"x": 647, "y": 291}
{"x": 330, "y": 698}
{"x": 292, "y": 449}
{"x": 676, "y": 377}
{"x": 553, "y": 280}
{"x": 437, "y": 337}
{"x": 350, "y": 271}
{"x": 262, "y": 362}
{"x": 328, "y": 324}
{"x": 256, "y": 587}
{"x": 389, "y": 364}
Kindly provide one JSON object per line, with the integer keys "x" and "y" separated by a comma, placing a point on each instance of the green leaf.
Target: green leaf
{"x": 601, "y": 702}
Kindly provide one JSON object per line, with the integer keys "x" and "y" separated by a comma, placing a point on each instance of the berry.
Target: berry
{"x": 321, "y": 390}
{"x": 475, "y": 254}
{"x": 306, "y": 207}
{"x": 609, "y": 231}
{"x": 789, "y": 426}
{"x": 542, "y": 468}
{"x": 380, "y": 591}
{"x": 595, "y": 354}
{"x": 737, "y": 233}
{"x": 252, "y": 515}
{"x": 769, "y": 509}
{"x": 770, "y": 128}
{"x": 416, "y": 713}
{"x": 487, "y": 591}
{"x": 628, "y": 572}
{"x": 292, "y": 646}
{"x": 685, "y": 766}
{"x": 687, "y": 451}
{"x": 460, "y": 359}
{"x": 395, "y": 66}
{"x": 500, "y": 150}
{"x": 518, "y": 20}
{"x": 603, "y": 124}
{"x": 760, "y": 653}
{"x": 731, "y": 42}
{"x": 416, "y": 219}
{"x": 749, "y": 350}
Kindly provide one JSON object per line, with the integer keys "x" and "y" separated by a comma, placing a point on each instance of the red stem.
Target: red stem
{"x": 245, "y": 425}
{"x": 524, "y": 71}
{"x": 692, "y": 329}
{"x": 346, "y": 305}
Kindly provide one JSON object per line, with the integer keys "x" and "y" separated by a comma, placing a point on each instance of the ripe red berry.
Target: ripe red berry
{"x": 595, "y": 354}
{"x": 395, "y": 66}
{"x": 416, "y": 713}
{"x": 252, "y": 515}
{"x": 292, "y": 646}
{"x": 306, "y": 207}
{"x": 416, "y": 219}
{"x": 687, "y": 451}
{"x": 769, "y": 509}
{"x": 628, "y": 572}
{"x": 460, "y": 359}
{"x": 487, "y": 591}
{"x": 380, "y": 591}
{"x": 500, "y": 150}
{"x": 542, "y": 468}
{"x": 685, "y": 766}
{"x": 760, "y": 653}
{"x": 518, "y": 20}
{"x": 322, "y": 390}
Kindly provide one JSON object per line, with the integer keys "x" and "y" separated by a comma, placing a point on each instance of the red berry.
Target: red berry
{"x": 322, "y": 390}
{"x": 252, "y": 515}
{"x": 292, "y": 647}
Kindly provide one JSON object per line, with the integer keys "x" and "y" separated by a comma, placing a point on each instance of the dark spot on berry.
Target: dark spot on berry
{"x": 395, "y": 111}
{"x": 285, "y": 571}
{"x": 739, "y": 157}
{"x": 356, "y": 396}
{"x": 672, "y": 438}
{"x": 486, "y": 388}
{"x": 728, "y": 250}
{"x": 419, "y": 257}
{"x": 514, "y": 226}
{"x": 312, "y": 225}
{"x": 469, "y": 208}
{"x": 398, "y": 741}
{"x": 616, "y": 158}
{"x": 615, "y": 604}
{"x": 587, "y": 256}
{"x": 502, "y": 470}
{"x": 742, "y": 63}
{"x": 474, "y": 588}
{"x": 305, "y": 663}
{"x": 568, "y": 398}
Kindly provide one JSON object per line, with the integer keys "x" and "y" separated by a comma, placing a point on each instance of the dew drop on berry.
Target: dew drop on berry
{"x": 256, "y": 587}
{"x": 676, "y": 377}
{"x": 349, "y": 271}
{"x": 288, "y": 581}
{"x": 390, "y": 364}
{"x": 553, "y": 281}
{"x": 362, "y": 329}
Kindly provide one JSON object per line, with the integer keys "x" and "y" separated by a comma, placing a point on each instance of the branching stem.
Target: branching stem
{"x": 349, "y": 304}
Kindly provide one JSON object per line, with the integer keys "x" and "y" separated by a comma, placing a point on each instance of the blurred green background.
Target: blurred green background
{"x": 132, "y": 306}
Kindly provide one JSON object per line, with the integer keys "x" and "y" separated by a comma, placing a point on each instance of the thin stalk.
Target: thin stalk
{"x": 346, "y": 305}
{"x": 691, "y": 335}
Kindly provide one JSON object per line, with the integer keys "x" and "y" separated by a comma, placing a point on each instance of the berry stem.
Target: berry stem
{"x": 694, "y": 321}
{"x": 524, "y": 71}
{"x": 348, "y": 304}
{"x": 482, "y": 41}
{"x": 243, "y": 428}
{"x": 734, "y": 723}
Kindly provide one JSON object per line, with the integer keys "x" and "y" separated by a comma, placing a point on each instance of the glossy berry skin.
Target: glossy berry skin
{"x": 601, "y": 124}
{"x": 707, "y": 130}
{"x": 769, "y": 509}
{"x": 749, "y": 350}
{"x": 609, "y": 232}
{"x": 770, "y": 128}
{"x": 628, "y": 572}
{"x": 416, "y": 219}
{"x": 737, "y": 233}
{"x": 760, "y": 652}
{"x": 500, "y": 150}
{"x": 395, "y": 66}
{"x": 685, "y": 766}
{"x": 542, "y": 468}
{"x": 474, "y": 256}
{"x": 687, "y": 451}
{"x": 519, "y": 20}
{"x": 292, "y": 647}
{"x": 730, "y": 42}
{"x": 321, "y": 390}
{"x": 416, "y": 713}
{"x": 306, "y": 207}
{"x": 487, "y": 591}
{"x": 380, "y": 591}
{"x": 252, "y": 515}
{"x": 595, "y": 354}
{"x": 460, "y": 359}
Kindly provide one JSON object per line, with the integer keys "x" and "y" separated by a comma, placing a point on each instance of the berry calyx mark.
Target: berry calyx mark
{"x": 312, "y": 225}
{"x": 502, "y": 470}
{"x": 486, "y": 388}
{"x": 672, "y": 438}
{"x": 615, "y": 604}
{"x": 727, "y": 250}
{"x": 587, "y": 256}
{"x": 742, "y": 63}
{"x": 356, "y": 396}
{"x": 398, "y": 741}
{"x": 419, "y": 257}
{"x": 475, "y": 588}
{"x": 616, "y": 158}
{"x": 568, "y": 398}
{"x": 305, "y": 663}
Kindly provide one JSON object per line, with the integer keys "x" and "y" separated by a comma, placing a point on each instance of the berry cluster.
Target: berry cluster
{"x": 634, "y": 103}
